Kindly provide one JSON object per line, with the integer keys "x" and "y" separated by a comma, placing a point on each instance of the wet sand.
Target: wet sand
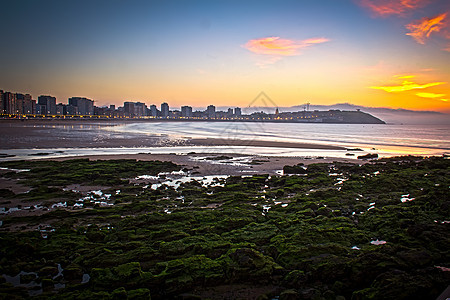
{"x": 259, "y": 143}
{"x": 47, "y": 134}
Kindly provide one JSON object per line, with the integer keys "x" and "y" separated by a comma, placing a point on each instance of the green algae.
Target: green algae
{"x": 318, "y": 246}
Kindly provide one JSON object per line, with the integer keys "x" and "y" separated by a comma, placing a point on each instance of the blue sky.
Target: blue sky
{"x": 193, "y": 52}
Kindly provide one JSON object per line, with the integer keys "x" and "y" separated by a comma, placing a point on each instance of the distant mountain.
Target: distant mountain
{"x": 389, "y": 115}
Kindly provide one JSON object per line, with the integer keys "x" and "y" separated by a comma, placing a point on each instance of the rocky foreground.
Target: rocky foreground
{"x": 126, "y": 229}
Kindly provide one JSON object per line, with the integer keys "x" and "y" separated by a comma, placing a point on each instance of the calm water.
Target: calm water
{"x": 385, "y": 140}
{"x": 419, "y": 139}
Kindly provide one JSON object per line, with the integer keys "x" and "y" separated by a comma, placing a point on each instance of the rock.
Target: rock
{"x": 289, "y": 295}
{"x": 27, "y": 278}
{"x": 73, "y": 272}
{"x": 368, "y": 156}
{"x": 139, "y": 294}
{"x": 48, "y": 271}
{"x": 119, "y": 294}
{"x": 47, "y": 283}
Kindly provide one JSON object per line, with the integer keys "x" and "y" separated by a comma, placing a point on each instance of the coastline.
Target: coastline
{"x": 62, "y": 138}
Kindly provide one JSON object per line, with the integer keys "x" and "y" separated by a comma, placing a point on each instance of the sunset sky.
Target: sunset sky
{"x": 375, "y": 53}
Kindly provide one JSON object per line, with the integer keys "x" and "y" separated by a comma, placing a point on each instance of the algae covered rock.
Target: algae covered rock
{"x": 127, "y": 275}
{"x": 250, "y": 265}
{"x": 73, "y": 272}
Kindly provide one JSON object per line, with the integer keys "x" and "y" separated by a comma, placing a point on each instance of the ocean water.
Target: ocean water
{"x": 385, "y": 140}
{"x": 407, "y": 139}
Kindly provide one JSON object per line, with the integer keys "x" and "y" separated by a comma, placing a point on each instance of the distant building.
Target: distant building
{"x": 164, "y": 110}
{"x": 186, "y": 111}
{"x": 84, "y": 106}
{"x": 128, "y": 108}
{"x": 135, "y": 109}
{"x": 230, "y": 113}
{"x": 18, "y": 107}
{"x": 2, "y": 105}
{"x": 70, "y": 110}
{"x": 153, "y": 111}
{"x": 175, "y": 114}
{"x": 237, "y": 112}
{"x": 211, "y": 111}
{"x": 9, "y": 102}
{"x": 140, "y": 109}
{"x": 25, "y": 104}
{"x": 60, "y": 109}
{"x": 50, "y": 105}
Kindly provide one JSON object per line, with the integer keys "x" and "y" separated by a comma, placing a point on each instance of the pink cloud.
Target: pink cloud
{"x": 277, "y": 46}
{"x": 384, "y": 8}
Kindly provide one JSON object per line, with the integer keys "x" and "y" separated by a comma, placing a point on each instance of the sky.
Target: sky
{"x": 376, "y": 53}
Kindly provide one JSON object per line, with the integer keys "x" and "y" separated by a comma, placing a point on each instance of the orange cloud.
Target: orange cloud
{"x": 280, "y": 47}
{"x": 406, "y": 86}
{"x": 384, "y": 8}
{"x": 404, "y": 76}
{"x": 423, "y": 28}
{"x": 430, "y": 95}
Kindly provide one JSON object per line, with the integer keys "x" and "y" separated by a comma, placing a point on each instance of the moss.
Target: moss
{"x": 134, "y": 247}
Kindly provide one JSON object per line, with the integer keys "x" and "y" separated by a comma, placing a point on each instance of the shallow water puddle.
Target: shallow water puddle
{"x": 378, "y": 242}
{"x": 95, "y": 197}
{"x": 405, "y": 198}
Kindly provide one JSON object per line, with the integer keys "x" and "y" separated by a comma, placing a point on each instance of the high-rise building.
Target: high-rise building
{"x": 128, "y": 108}
{"x": 140, "y": 109}
{"x": 237, "y": 112}
{"x": 18, "y": 109}
{"x": 186, "y": 111}
{"x": 50, "y": 105}
{"x": 84, "y": 106}
{"x": 135, "y": 109}
{"x": 24, "y": 104}
{"x": 211, "y": 111}
{"x": 153, "y": 111}
{"x": 164, "y": 110}
{"x": 2, "y": 103}
{"x": 9, "y": 102}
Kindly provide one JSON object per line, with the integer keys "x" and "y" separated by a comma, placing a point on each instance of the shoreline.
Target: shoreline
{"x": 86, "y": 137}
{"x": 260, "y": 143}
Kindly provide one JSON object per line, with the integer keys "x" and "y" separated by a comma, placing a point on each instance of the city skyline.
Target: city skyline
{"x": 370, "y": 53}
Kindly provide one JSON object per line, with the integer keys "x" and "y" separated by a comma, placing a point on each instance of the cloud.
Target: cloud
{"x": 274, "y": 48}
{"x": 385, "y": 8}
{"x": 404, "y": 76}
{"x": 423, "y": 28}
{"x": 280, "y": 47}
{"x": 430, "y": 95}
{"x": 406, "y": 86}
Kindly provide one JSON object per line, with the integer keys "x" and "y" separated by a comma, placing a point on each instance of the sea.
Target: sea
{"x": 386, "y": 140}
